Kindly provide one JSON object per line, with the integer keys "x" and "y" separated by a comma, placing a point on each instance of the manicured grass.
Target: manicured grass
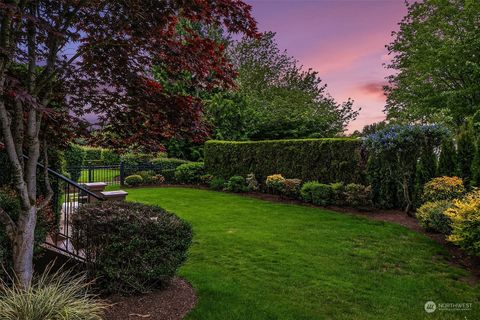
{"x": 100, "y": 175}
{"x": 253, "y": 259}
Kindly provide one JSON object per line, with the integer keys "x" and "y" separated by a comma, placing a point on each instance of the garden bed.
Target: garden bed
{"x": 172, "y": 303}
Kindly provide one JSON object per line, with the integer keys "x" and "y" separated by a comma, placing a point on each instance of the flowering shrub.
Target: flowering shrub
{"x": 275, "y": 183}
{"x": 465, "y": 216}
{"x": 402, "y": 145}
{"x": 432, "y": 217}
{"x": 443, "y": 188}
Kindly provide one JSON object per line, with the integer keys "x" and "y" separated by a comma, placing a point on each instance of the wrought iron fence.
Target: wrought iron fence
{"x": 67, "y": 198}
{"x": 115, "y": 174}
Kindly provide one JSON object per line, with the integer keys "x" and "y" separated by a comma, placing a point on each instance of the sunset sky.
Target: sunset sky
{"x": 344, "y": 40}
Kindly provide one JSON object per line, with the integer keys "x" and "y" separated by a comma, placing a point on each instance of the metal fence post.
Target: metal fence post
{"x": 90, "y": 174}
{"x": 122, "y": 174}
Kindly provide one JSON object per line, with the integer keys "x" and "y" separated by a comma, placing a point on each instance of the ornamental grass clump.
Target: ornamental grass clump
{"x": 59, "y": 295}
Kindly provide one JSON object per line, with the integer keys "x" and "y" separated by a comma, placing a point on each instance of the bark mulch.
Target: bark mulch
{"x": 171, "y": 303}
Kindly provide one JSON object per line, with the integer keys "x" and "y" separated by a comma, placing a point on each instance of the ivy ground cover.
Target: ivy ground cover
{"x": 253, "y": 259}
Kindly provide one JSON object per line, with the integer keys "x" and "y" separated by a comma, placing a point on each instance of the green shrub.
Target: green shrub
{"x": 317, "y": 193}
{"x": 325, "y": 160}
{"x": 465, "y": 217}
{"x": 190, "y": 172}
{"x": 55, "y": 296}
{"x": 236, "y": 184}
{"x": 167, "y": 163}
{"x": 447, "y": 162}
{"x": 134, "y": 180}
{"x": 147, "y": 176}
{"x": 338, "y": 193}
{"x": 74, "y": 158}
{"x": 110, "y": 157}
{"x": 443, "y": 188}
{"x": 131, "y": 247}
{"x": 358, "y": 196}
{"x": 291, "y": 187}
{"x": 217, "y": 183}
{"x": 134, "y": 159}
{"x": 275, "y": 183}
{"x": 169, "y": 175}
{"x": 252, "y": 182}
{"x": 431, "y": 216}
{"x": 93, "y": 155}
{"x": 466, "y": 153}
{"x": 206, "y": 179}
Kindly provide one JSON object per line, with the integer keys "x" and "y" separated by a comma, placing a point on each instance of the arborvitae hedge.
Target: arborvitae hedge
{"x": 324, "y": 160}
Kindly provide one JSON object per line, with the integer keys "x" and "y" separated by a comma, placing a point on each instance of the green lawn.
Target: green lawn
{"x": 253, "y": 259}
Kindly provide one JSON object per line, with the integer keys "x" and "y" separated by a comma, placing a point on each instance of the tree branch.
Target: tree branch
{"x": 46, "y": 178}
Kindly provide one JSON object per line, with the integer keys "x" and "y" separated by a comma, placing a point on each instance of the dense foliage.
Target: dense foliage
{"x": 396, "y": 150}
{"x": 325, "y": 160}
{"x": 465, "y": 216}
{"x": 275, "y": 98}
{"x": 432, "y": 217}
{"x": 433, "y": 34}
{"x": 443, "y": 188}
{"x": 236, "y": 184}
{"x": 190, "y": 173}
{"x": 131, "y": 247}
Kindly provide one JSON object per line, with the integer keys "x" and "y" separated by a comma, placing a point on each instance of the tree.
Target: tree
{"x": 276, "y": 98}
{"x": 447, "y": 162}
{"x": 96, "y": 57}
{"x": 401, "y": 147}
{"x": 436, "y": 63}
{"x": 466, "y": 153}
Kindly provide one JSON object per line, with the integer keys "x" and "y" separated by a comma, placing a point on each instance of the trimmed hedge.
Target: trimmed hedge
{"x": 324, "y": 160}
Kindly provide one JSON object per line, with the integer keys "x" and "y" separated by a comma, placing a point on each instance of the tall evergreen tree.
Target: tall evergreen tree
{"x": 466, "y": 153}
{"x": 425, "y": 171}
{"x": 448, "y": 159}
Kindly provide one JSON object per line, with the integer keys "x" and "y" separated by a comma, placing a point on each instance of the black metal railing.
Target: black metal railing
{"x": 115, "y": 174}
{"x": 68, "y": 197}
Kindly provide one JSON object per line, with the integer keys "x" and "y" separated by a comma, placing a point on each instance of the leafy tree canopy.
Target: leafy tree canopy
{"x": 275, "y": 98}
{"x": 437, "y": 63}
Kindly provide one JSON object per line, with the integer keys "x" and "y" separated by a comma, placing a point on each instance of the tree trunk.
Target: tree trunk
{"x": 23, "y": 245}
{"x": 406, "y": 195}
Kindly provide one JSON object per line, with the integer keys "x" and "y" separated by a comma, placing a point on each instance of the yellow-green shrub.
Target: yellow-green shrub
{"x": 432, "y": 217}
{"x": 443, "y": 188}
{"x": 275, "y": 183}
{"x": 465, "y": 216}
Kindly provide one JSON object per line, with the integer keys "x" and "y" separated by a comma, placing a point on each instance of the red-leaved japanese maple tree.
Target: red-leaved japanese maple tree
{"x": 97, "y": 55}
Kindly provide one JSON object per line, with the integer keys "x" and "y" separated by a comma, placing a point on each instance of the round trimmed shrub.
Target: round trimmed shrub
{"x": 217, "y": 183}
{"x": 236, "y": 184}
{"x": 443, "y": 188}
{"x": 291, "y": 187}
{"x": 317, "y": 193}
{"x": 432, "y": 217}
{"x": 130, "y": 247}
{"x": 275, "y": 183}
{"x": 190, "y": 172}
{"x": 134, "y": 180}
